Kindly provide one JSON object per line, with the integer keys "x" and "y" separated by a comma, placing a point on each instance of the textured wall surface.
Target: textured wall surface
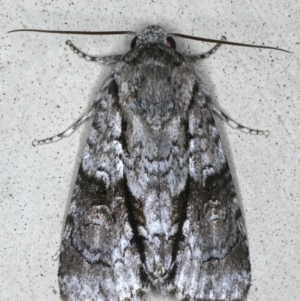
{"x": 44, "y": 87}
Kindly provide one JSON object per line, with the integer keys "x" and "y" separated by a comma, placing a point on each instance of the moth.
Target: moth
{"x": 154, "y": 205}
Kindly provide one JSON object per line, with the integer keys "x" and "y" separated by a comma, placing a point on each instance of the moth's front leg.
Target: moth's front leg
{"x": 107, "y": 60}
{"x": 207, "y": 54}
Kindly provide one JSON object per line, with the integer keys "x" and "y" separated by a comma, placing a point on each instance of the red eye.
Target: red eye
{"x": 171, "y": 43}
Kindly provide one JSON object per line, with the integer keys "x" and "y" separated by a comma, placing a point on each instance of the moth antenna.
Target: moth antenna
{"x": 77, "y": 32}
{"x": 134, "y": 33}
{"x": 224, "y": 42}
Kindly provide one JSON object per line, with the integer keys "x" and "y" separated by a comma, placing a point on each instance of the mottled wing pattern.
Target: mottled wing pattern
{"x": 154, "y": 95}
{"x": 212, "y": 259}
{"x": 99, "y": 260}
{"x": 154, "y": 204}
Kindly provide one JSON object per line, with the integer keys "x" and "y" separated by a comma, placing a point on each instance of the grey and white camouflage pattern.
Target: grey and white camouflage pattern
{"x": 154, "y": 205}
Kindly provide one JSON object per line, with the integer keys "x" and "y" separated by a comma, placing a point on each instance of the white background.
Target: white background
{"x": 45, "y": 87}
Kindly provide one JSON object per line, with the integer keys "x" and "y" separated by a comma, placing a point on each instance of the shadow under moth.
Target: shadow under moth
{"x": 154, "y": 205}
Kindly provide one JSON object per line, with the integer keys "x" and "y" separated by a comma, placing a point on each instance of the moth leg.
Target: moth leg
{"x": 235, "y": 125}
{"x": 69, "y": 131}
{"x": 206, "y": 54}
{"x": 107, "y": 60}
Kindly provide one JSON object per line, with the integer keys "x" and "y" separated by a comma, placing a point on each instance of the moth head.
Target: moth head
{"x": 153, "y": 35}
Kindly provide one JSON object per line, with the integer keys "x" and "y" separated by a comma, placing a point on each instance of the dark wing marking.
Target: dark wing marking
{"x": 99, "y": 259}
{"x": 212, "y": 259}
